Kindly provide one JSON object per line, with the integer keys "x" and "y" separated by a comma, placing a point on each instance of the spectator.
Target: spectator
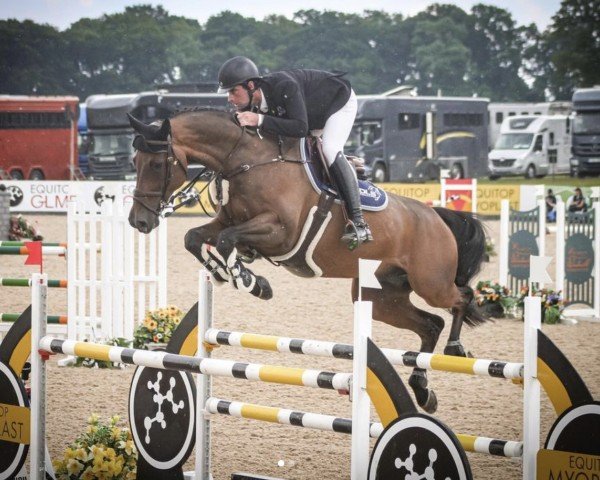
{"x": 577, "y": 202}
{"x": 550, "y": 206}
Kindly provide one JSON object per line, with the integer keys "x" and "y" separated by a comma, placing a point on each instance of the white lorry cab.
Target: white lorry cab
{"x": 532, "y": 146}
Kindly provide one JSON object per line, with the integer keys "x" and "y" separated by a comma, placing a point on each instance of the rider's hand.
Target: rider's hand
{"x": 247, "y": 119}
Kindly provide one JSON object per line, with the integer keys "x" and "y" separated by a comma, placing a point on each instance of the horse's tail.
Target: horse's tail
{"x": 470, "y": 240}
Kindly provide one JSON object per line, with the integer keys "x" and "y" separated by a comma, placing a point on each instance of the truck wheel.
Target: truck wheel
{"x": 530, "y": 172}
{"x": 379, "y": 173}
{"x": 456, "y": 172}
{"x": 17, "y": 175}
{"x": 36, "y": 175}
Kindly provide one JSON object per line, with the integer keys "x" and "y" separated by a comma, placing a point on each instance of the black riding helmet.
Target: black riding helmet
{"x": 236, "y": 71}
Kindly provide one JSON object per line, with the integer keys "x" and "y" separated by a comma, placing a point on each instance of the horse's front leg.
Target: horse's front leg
{"x": 261, "y": 232}
{"x": 200, "y": 242}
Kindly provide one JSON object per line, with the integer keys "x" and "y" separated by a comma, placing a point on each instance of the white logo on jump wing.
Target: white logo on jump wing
{"x": 159, "y": 399}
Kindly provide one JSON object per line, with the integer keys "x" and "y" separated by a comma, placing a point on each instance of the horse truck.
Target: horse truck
{"x": 38, "y": 137}
{"x": 110, "y": 137}
{"x": 585, "y": 159}
{"x": 406, "y": 138}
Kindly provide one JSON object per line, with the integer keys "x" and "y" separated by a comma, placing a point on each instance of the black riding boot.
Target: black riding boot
{"x": 358, "y": 231}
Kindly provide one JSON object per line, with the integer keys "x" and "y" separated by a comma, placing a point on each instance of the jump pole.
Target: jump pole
{"x": 361, "y": 404}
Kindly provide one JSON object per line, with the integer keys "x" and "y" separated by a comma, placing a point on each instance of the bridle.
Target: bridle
{"x": 186, "y": 195}
{"x": 171, "y": 162}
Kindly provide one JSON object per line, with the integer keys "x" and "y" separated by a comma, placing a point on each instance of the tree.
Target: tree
{"x": 439, "y": 57}
{"x": 32, "y": 60}
{"x": 572, "y": 46}
{"x": 130, "y": 51}
{"x": 496, "y": 46}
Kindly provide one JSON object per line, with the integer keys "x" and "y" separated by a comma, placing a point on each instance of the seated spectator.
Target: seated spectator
{"x": 577, "y": 202}
{"x": 550, "y": 206}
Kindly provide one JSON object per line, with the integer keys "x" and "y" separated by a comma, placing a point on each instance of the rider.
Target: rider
{"x": 293, "y": 102}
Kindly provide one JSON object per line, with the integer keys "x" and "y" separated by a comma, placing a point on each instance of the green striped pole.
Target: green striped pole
{"x": 10, "y": 243}
{"x": 54, "y": 319}
{"x": 26, "y": 282}
{"x": 25, "y": 251}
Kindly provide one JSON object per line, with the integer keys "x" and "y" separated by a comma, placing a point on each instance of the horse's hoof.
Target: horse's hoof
{"x": 431, "y": 403}
{"x": 456, "y": 350}
{"x": 266, "y": 292}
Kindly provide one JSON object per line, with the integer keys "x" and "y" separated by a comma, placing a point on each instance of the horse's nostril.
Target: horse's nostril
{"x": 142, "y": 226}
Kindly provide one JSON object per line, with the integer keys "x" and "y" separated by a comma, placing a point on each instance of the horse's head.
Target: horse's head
{"x": 160, "y": 171}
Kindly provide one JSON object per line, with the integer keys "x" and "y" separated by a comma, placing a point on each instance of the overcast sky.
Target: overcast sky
{"x": 61, "y": 13}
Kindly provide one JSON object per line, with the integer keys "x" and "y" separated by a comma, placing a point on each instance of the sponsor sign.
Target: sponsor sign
{"x": 428, "y": 193}
{"x": 54, "y": 196}
{"x": 489, "y": 198}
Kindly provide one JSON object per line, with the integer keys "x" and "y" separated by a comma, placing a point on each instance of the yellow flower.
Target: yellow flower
{"x": 88, "y": 474}
{"x": 74, "y": 467}
{"x": 80, "y": 454}
{"x": 93, "y": 420}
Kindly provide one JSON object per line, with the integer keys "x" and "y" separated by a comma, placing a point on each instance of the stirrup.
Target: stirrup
{"x": 356, "y": 234}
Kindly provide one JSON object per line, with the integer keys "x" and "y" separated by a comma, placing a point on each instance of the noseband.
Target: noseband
{"x": 171, "y": 162}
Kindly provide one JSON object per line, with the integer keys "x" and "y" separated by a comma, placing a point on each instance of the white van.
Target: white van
{"x": 532, "y": 146}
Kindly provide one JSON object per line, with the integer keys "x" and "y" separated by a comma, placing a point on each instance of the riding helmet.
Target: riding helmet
{"x": 235, "y": 71}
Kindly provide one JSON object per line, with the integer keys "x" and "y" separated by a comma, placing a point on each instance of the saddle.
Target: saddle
{"x": 372, "y": 198}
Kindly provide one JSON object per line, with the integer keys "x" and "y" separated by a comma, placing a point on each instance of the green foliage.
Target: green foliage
{"x": 572, "y": 47}
{"x": 494, "y": 299}
{"x": 552, "y": 303}
{"x": 105, "y": 450}
{"x": 443, "y": 48}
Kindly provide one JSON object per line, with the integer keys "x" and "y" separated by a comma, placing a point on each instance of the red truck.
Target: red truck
{"x": 38, "y": 137}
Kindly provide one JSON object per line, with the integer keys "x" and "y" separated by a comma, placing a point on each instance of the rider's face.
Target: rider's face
{"x": 238, "y": 97}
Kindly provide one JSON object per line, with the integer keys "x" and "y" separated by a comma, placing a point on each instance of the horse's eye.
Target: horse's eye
{"x": 156, "y": 165}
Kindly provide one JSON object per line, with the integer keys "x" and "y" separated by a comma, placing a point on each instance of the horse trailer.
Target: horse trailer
{"x": 404, "y": 138}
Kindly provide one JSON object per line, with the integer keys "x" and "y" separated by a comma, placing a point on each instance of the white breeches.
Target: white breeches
{"x": 337, "y": 129}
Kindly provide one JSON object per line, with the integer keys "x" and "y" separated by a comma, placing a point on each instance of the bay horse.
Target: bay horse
{"x": 263, "y": 200}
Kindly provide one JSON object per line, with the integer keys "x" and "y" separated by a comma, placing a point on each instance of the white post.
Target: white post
{"x": 72, "y": 279}
{"x": 560, "y": 247}
{"x": 203, "y": 382}
{"x": 504, "y": 233}
{"x": 162, "y": 262}
{"x": 531, "y": 392}
{"x": 92, "y": 252}
{"x": 107, "y": 265}
{"x": 361, "y": 405}
{"x": 39, "y": 291}
{"x": 596, "y": 307}
{"x": 542, "y": 230}
{"x": 128, "y": 272}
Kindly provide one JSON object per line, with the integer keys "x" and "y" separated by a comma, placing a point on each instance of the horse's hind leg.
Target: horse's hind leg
{"x": 392, "y": 305}
{"x": 463, "y": 311}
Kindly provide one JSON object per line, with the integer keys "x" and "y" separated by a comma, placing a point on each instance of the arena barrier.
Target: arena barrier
{"x": 163, "y": 452}
{"x": 577, "y": 253}
{"x": 522, "y": 234}
{"x": 578, "y": 259}
{"x": 114, "y": 273}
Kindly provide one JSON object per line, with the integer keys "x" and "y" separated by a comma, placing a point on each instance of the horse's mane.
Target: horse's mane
{"x": 201, "y": 108}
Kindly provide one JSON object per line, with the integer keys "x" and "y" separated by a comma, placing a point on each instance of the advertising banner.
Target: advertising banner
{"x": 53, "y": 196}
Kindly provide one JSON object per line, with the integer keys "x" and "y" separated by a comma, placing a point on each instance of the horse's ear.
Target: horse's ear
{"x": 165, "y": 130}
{"x": 146, "y": 131}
